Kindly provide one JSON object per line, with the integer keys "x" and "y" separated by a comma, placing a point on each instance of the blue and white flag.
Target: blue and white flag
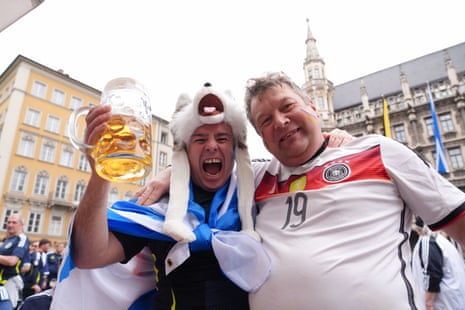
{"x": 131, "y": 286}
{"x": 117, "y": 286}
{"x": 441, "y": 162}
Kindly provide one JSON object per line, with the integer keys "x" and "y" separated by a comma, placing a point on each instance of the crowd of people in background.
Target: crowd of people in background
{"x": 27, "y": 266}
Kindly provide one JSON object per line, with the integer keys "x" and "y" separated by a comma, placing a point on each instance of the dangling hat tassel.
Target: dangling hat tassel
{"x": 174, "y": 225}
{"x": 245, "y": 189}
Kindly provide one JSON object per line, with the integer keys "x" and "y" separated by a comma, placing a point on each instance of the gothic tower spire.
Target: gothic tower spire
{"x": 319, "y": 89}
{"x": 312, "y": 50}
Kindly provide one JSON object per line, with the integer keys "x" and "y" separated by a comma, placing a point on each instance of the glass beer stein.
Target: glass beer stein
{"x": 124, "y": 151}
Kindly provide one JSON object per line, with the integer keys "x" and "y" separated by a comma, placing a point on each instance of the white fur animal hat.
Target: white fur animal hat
{"x": 209, "y": 106}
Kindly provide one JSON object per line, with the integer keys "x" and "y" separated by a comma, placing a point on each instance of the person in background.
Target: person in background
{"x": 439, "y": 269}
{"x": 53, "y": 261}
{"x": 417, "y": 225}
{"x": 26, "y": 263}
{"x": 39, "y": 301}
{"x": 44, "y": 247}
{"x": 33, "y": 277}
{"x": 12, "y": 251}
{"x": 456, "y": 245}
{"x": 42, "y": 299}
{"x": 26, "y": 266}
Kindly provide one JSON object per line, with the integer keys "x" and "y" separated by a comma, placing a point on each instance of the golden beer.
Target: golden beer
{"x": 123, "y": 153}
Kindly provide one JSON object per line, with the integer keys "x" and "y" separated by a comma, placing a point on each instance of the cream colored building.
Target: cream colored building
{"x": 357, "y": 105}
{"x": 42, "y": 176}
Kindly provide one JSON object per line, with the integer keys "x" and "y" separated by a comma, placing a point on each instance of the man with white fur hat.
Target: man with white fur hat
{"x": 209, "y": 107}
{"x": 202, "y": 258}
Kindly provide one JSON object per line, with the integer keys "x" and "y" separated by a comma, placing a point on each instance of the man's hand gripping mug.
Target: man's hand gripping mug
{"x": 124, "y": 151}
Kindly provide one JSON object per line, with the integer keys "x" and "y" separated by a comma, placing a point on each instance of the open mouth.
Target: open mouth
{"x": 212, "y": 166}
{"x": 210, "y": 105}
{"x": 289, "y": 134}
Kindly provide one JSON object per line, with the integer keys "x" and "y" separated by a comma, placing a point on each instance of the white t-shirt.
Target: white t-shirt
{"x": 452, "y": 285}
{"x": 337, "y": 228}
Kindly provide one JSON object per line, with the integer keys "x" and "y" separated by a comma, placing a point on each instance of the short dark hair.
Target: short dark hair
{"x": 44, "y": 241}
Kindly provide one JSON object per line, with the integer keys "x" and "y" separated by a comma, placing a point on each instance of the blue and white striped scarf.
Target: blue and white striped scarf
{"x": 131, "y": 286}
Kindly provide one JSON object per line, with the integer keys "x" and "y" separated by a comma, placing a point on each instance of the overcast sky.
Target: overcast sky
{"x": 175, "y": 46}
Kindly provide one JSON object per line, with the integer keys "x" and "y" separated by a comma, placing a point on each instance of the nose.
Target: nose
{"x": 211, "y": 145}
{"x": 280, "y": 120}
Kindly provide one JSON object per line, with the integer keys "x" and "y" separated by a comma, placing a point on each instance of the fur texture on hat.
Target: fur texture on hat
{"x": 209, "y": 106}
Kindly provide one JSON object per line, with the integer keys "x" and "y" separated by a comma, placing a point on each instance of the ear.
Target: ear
{"x": 183, "y": 100}
{"x": 313, "y": 107}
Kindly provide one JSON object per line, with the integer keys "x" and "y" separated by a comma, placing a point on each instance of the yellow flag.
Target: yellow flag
{"x": 387, "y": 125}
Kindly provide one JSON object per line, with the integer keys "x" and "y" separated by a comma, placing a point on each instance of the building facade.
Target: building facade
{"x": 357, "y": 106}
{"x": 43, "y": 176}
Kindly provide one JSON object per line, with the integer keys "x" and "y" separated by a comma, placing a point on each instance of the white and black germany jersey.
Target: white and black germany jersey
{"x": 337, "y": 227}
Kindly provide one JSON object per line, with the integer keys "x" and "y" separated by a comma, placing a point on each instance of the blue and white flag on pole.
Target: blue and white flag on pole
{"x": 131, "y": 286}
{"x": 441, "y": 162}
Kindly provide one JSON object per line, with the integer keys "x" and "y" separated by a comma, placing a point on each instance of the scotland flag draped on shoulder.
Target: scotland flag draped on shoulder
{"x": 131, "y": 286}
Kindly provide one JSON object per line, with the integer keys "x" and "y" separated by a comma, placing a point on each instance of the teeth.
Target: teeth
{"x": 212, "y": 161}
{"x": 209, "y": 109}
{"x": 289, "y": 134}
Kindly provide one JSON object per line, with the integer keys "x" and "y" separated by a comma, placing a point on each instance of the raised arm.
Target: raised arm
{"x": 93, "y": 245}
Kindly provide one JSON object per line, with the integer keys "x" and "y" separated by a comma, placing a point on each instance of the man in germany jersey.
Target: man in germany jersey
{"x": 336, "y": 221}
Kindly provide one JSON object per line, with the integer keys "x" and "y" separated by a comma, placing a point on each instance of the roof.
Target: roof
{"x": 20, "y": 58}
{"x": 385, "y": 82}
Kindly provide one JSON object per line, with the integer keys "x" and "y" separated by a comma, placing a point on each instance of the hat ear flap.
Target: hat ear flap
{"x": 245, "y": 189}
{"x": 174, "y": 225}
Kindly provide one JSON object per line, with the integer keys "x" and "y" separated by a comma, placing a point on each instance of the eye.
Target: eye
{"x": 222, "y": 139}
{"x": 264, "y": 122}
{"x": 288, "y": 106}
{"x": 199, "y": 140}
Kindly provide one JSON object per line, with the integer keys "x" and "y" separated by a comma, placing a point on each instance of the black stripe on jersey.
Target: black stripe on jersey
{"x": 454, "y": 214}
{"x": 404, "y": 263}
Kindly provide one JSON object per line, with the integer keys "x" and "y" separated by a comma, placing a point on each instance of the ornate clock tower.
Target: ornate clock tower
{"x": 317, "y": 86}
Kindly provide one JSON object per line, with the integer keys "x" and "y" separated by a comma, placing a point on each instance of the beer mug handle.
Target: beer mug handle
{"x": 73, "y": 129}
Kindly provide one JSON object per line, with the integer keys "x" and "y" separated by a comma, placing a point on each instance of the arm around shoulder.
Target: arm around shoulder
{"x": 155, "y": 188}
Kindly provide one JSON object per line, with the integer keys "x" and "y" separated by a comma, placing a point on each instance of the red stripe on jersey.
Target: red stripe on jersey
{"x": 366, "y": 165}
